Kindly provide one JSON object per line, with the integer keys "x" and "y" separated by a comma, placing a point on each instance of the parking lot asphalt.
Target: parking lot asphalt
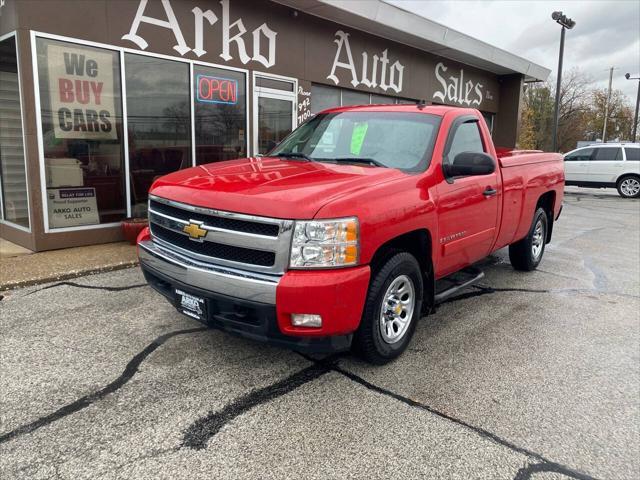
{"x": 523, "y": 376}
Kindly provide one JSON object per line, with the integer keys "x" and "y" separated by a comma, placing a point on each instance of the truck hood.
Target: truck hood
{"x": 269, "y": 187}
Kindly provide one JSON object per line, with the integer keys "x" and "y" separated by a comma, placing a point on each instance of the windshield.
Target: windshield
{"x": 389, "y": 139}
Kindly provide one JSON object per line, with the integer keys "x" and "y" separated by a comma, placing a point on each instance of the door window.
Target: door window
{"x": 465, "y": 139}
{"x": 274, "y": 103}
{"x": 607, "y": 154}
{"x": 581, "y": 155}
{"x": 275, "y": 121}
{"x": 632, "y": 153}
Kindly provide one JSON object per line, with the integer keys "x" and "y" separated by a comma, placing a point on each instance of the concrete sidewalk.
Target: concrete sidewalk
{"x": 20, "y": 267}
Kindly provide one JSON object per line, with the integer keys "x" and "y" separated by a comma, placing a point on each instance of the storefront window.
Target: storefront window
{"x": 324, "y": 97}
{"x": 82, "y": 134}
{"x": 158, "y": 122}
{"x": 351, "y": 97}
{"x": 382, "y": 99}
{"x": 13, "y": 180}
{"x": 220, "y": 98}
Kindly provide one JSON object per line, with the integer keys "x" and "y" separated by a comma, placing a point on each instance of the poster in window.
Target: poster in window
{"x": 72, "y": 207}
{"x": 82, "y": 92}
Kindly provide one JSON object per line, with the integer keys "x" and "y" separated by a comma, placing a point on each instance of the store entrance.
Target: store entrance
{"x": 274, "y": 110}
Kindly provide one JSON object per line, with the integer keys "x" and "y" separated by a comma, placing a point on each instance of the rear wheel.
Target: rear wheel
{"x": 526, "y": 254}
{"x": 392, "y": 309}
{"x": 629, "y": 186}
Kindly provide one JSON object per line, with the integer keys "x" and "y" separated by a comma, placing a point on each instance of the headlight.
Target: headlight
{"x": 325, "y": 243}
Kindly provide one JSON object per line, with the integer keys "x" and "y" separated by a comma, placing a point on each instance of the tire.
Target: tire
{"x": 384, "y": 335}
{"x": 629, "y": 186}
{"x": 526, "y": 254}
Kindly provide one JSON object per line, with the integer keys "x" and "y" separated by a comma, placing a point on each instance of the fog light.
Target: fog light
{"x": 306, "y": 320}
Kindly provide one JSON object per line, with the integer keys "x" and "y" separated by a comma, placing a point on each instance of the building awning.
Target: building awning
{"x": 394, "y": 23}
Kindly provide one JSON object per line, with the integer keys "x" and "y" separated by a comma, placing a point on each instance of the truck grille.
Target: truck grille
{"x": 236, "y": 240}
{"x": 267, "y": 229}
{"x": 213, "y": 249}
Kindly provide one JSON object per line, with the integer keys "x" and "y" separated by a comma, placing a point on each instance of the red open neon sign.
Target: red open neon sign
{"x": 217, "y": 90}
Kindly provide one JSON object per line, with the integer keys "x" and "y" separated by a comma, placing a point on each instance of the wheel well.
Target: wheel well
{"x": 547, "y": 202}
{"x": 625, "y": 175}
{"x": 417, "y": 243}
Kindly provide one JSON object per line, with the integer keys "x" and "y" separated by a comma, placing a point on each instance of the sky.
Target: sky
{"x": 607, "y": 33}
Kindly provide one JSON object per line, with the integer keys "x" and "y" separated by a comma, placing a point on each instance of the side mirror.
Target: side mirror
{"x": 470, "y": 163}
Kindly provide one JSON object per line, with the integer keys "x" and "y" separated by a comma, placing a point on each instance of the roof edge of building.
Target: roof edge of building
{"x": 394, "y": 23}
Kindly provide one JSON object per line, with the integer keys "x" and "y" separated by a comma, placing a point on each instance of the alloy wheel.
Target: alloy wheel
{"x": 397, "y": 309}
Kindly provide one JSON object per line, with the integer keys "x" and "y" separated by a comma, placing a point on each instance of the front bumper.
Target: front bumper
{"x": 255, "y": 287}
{"x": 260, "y": 306}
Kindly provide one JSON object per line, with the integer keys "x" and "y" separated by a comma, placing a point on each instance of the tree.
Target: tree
{"x": 620, "y": 117}
{"x": 537, "y": 115}
{"x": 538, "y": 108}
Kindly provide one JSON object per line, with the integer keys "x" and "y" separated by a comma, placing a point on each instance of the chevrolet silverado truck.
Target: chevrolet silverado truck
{"x": 357, "y": 224}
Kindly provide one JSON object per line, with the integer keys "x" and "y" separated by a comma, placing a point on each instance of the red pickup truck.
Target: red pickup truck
{"x": 348, "y": 231}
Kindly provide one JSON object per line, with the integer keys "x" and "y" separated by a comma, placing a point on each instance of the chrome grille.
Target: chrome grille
{"x": 237, "y": 240}
{"x": 257, "y": 228}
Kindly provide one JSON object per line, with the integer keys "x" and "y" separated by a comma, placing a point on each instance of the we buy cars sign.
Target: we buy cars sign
{"x": 82, "y": 96}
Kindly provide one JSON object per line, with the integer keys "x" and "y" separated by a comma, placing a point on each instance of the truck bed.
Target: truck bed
{"x": 513, "y": 158}
{"x": 526, "y": 176}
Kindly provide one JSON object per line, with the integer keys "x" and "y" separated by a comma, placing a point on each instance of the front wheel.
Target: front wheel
{"x": 526, "y": 254}
{"x": 392, "y": 309}
{"x": 629, "y": 186}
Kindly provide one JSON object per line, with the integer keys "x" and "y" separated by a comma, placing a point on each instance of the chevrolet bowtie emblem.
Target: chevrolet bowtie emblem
{"x": 194, "y": 231}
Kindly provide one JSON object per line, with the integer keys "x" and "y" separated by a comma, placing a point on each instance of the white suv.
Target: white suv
{"x": 605, "y": 165}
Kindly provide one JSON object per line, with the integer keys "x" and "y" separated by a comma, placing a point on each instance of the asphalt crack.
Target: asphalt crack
{"x": 545, "y": 465}
{"x": 525, "y": 473}
{"x": 198, "y": 434}
{"x": 479, "y": 290}
{"x": 89, "y": 287}
{"x": 83, "y": 402}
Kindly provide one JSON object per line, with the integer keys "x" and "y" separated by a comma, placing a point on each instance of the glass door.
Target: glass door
{"x": 274, "y": 109}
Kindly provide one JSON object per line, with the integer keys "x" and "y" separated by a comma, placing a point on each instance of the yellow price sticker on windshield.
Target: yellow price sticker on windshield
{"x": 357, "y": 137}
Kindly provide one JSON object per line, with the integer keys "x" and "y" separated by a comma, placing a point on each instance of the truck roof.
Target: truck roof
{"x": 439, "y": 110}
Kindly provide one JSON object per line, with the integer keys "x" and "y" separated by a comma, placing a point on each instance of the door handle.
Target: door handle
{"x": 489, "y": 191}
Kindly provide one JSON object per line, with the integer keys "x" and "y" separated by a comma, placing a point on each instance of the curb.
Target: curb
{"x": 67, "y": 276}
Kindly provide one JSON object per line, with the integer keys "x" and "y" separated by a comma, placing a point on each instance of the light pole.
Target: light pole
{"x": 635, "y": 117}
{"x": 606, "y": 106}
{"x": 566, "y": 23}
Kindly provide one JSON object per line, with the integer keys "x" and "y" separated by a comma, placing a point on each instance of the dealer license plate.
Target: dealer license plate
{"x": 191, "y": 305}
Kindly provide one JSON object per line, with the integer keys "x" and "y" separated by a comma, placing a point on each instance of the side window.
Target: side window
{"x": 607, "y": 154}
{"x": 581, "y": 155}
{"x": 632, "y": 154}
{"x": 465, "y": 139}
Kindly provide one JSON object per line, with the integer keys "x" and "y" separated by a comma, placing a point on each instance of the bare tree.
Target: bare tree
{"x": 537, "y": 119}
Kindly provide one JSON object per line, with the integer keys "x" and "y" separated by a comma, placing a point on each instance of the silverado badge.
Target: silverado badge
{"x": 195, "y": 231}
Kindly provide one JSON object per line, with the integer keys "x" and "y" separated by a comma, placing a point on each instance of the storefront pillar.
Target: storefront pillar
{"x": 507, "y": 121}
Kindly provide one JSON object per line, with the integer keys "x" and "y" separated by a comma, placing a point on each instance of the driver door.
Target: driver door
{"x": 467, "y": 206}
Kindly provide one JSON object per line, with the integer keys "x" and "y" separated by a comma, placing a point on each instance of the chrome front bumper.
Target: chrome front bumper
{"x": 251, "y": 286}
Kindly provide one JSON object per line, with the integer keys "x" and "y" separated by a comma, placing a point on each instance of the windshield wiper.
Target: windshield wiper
{"x": 368, "y": 161}
{"x": 299, "y": 155}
